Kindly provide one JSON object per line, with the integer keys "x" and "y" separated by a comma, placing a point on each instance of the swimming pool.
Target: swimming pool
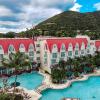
{"x": 27, "y": 80}
{"x": 85, "y": 90}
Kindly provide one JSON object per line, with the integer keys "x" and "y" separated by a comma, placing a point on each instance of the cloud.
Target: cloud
{"x": 14, "y": 26}
{"x": 30, "y": 12}
{"x": 5, "y": 30}
{"x": 4, "y": 11}
{"x": 39, "y": 10}
{"x": 76, "y": 7}
{"x": 97, "y": 6}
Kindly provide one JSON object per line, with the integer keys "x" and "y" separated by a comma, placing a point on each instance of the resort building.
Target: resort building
{"x": 48, "y": 51}
{"x": 8, "y": 45}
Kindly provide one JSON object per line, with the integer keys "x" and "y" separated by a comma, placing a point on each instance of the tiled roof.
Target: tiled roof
{"x": 16, "y": 43}
{"x": 67, "y": 41}
{"x": 97, "y": 44}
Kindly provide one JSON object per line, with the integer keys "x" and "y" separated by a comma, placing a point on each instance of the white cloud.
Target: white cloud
{"x": 97, "y": 6}
{"x": 76, "y": 7}
{"x": 19, "y": 26}
{"x": 34, "y": 12}
{"x": 4, "y": 11}
{"x": 5, "y": 30}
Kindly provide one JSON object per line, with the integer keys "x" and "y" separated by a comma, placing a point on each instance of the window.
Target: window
{"x": 45, "y": 55}
{"x": 54, "y": 46}
{"x": 31, "y": 56}
{"x": 62, "y": 54}
{"x": 63, "y": 47}
{"x": 31, "y": 47}
{"x": 53, "y": 61}
{"x": 76, "y": 52}
{"x": 21, "y": 45}
{"x": 1, "y": 57}
{"x": 38, "y": 58}
{"x": 31, "y": 59}
{"x": 0, "y": 47}
{"x": 77, "y": 46}
{"x": 54, "y": 55}
{"x": 69, "y": 53}
{"x": 88, "y": 51}
{"x": 70, "y": 45}
{"x": 45, "y": 60}
{"x": 82, "y": 52}
{"x": 31, "y": 53}
{"x": 22, "y": 48}
{"x": 88, "y": 45}
{"x": 11, "y": 48}
{"x": 37, "y": 45}
{"x": 37, "y": 52}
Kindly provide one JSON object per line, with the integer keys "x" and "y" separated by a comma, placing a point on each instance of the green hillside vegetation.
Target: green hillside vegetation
{"x": 68, "y": 23}
{"x": 71, "y": 23}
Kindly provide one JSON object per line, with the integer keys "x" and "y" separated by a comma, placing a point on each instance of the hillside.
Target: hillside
{"x": 70, "y": 23}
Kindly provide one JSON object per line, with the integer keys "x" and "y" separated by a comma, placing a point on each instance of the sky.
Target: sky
{"x": 17, "y": 15}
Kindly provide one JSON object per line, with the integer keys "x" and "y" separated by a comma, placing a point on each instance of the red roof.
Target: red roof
{"x": 97, "y": 44}
{"x": 16, "y": 43}
{"x": 67, "y": 41}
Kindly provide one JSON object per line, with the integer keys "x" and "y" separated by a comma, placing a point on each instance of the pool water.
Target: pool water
{"x": 85, "y": 90}
{"x": 27, "y": 80}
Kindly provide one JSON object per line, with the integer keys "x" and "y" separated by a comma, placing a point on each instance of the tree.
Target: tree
{"x": 58, "y": 72}
{"x": 17, "y": 61}
{"x": 10, "y": 35}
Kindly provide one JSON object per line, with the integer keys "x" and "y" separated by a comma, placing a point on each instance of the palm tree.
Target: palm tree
{"x": 17, "y": 61}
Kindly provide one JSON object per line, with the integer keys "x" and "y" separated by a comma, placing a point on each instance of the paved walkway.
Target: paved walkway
{"x": 47, "y": 83}
{"x": 47, "y": 80}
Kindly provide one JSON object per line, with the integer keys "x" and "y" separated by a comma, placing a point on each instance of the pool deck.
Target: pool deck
{"x": 47, "y": 83}
{"x": 47, "y": 80}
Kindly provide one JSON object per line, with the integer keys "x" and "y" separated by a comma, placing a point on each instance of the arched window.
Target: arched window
{"x": 1, "y": 47}
{"x": 70, "y": 50}
{"x": 70, "y": 45}
{"x": 31, "y": 52}
{"x": 1, "y": 53}
{"x": 77, "y": 46}
{"x": 22, "y": 48}
{"x": 11, "y": 49}
{"x": 31, "y": 47}
{"x": 63, "y": 47}
{"x": 54, "y": 54}
{"x": 83, "y": 49}
{"x": 63, "y": 51}
{"x": 77, "y": 49}
{"x": 45, "y": 57}
{"x": 54, "y": 51}
{"x": 88, "y": 48}
{"x": 54, "y": 46}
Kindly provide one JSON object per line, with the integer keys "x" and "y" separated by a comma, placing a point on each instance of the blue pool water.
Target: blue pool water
{"x": 27, "y": 80}
{"x": 85, "y": 90}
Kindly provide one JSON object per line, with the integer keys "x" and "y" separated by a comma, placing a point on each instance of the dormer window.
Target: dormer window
{"x": 54, "y": 46}
{"x": 0, "y": 47}
{"x": 22, "y": 48}
{"x": 11, "y": 49}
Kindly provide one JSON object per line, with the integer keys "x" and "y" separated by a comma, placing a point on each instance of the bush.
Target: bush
{"x": 4, "y": 96}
